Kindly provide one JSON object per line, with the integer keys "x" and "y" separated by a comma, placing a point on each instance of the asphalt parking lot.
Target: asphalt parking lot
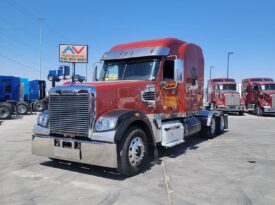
{"x": 237, "y": 167}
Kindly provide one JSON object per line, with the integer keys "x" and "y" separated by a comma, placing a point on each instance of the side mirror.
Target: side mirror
{"x": 178, "y": 70}
{"x": 97, "y": 69}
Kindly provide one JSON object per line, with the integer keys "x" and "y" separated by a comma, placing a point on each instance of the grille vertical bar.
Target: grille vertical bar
{"x": 232, "y": 100}
{"x": 273, "y": 101}
{"x": 69, "y": 114}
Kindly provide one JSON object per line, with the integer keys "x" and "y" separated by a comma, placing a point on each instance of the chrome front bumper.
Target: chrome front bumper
{"x": 268, "y": 109}
{"x": 230, "y": 108}
{"x": 100, "y": 153}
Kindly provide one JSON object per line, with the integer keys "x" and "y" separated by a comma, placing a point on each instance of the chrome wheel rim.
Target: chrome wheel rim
{"x": 213, "y": 126}
{"x": 136, "y": 151}
{"x": 38, "y": 107}
{"x": 21, "y": 109}
{"x": 4, "y": 112}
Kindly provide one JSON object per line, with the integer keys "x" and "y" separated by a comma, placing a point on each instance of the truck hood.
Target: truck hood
{"x": 269, "y": 92}
{"x": 112, "y": 95}
{"x": 224, "y": 92}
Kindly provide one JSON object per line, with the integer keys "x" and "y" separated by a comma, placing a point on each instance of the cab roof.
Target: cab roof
{"x": 264, "y": 82}
{"x": 163, "y": 42}
{"x": 216, "y": 80}
{"x": 259, "y": 79}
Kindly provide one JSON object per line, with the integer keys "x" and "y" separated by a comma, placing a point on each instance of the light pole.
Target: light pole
{"x": 228, "y": 54}
{"x": 211, "y": 67}
{"x": 40, "y": 49}
{"x": 86, "y": 72}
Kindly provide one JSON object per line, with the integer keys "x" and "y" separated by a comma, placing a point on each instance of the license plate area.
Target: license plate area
{"x": 67, "y": 149}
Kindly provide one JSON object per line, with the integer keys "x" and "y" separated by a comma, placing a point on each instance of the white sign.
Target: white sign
{"x": 73, "y": 53}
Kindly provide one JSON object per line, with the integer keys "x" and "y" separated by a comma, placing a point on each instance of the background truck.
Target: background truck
{"x": 18, "y": 95}
{"x": 259, "y": 95}
{"x": 146, "y": 94}
{"x": 223, "y": 95}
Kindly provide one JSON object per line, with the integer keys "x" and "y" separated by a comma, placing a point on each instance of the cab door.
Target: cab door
{"x": 168, "y": 88}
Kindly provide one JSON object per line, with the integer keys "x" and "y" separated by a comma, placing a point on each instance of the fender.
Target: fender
{"x": 206, "y": 115}
{"x": 126, "y": 117}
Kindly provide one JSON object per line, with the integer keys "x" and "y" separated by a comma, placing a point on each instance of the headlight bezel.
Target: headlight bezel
{"x": 106, "y": 123}
{"x": 43, "y": 119}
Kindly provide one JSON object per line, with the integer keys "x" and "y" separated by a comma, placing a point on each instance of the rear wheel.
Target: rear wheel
{"x": 132, "y": 152}
{"x": 39, "y": 106}
{"x": 22, "y": 108}
{"x": 210, "y": 132}
{"x": 5, "y": 111}
{"x": 221, "y": 125}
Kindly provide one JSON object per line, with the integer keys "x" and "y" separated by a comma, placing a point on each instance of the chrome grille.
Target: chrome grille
{"x": 273, "y": 101}
{"x": 69, "y": 114}
{"x": 232, "y": 100}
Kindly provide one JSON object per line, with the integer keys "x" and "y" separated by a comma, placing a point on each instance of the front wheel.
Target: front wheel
{"x": 241, "y": 112}
{"x": 132, "y": 152}
{"x": 39, "y": 106}
{"x": 259, "y": 111}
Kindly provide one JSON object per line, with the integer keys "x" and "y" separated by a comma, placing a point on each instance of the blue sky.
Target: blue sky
{"x": 245, "y": 27}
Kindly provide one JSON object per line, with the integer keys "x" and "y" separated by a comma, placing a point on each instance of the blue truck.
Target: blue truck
{"x": 18, "y": 95}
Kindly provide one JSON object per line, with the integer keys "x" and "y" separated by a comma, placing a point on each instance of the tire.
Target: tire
{"x": 22, "y": 108}
{"x": 39, "y": 106}
{"x": 259, "y": 111}
{"x": 210, "y": 132}
{"x": 221, "y": 125}
{"x": 133, "y": 146}
{"x": 6, "y": 110}
{"x": 241, "y": 112}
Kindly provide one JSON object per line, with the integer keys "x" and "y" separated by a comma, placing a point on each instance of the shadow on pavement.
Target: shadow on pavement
{"x": 191, "y": 143}
{"x": 265, "y": 115}
{"x": 85, "y": 169}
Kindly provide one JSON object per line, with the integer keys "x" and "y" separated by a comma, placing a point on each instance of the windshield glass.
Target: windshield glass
{"x": 129, "y": 70}
{"x": 268, "y": 79}
{"x": 268, "y": 87}
{"x": 226, "y": 87}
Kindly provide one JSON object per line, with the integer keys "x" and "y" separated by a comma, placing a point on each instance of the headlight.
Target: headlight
{"x": 50, "y": 77}
{"x": 76, "y": 78}
{"x": 106, "y": 123}
{"x": 43, "y": 119}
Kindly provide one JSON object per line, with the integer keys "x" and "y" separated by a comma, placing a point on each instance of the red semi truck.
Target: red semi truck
{"x": 223, "y": 95}
{"x": 146, "y": 94}
{"x": 259, "y": 95}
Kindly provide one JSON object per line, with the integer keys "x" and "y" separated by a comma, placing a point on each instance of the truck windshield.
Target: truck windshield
{"x": 268, "y": 87}
{"x": 227, "y": 87}
{"x": 129, "y": 70}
